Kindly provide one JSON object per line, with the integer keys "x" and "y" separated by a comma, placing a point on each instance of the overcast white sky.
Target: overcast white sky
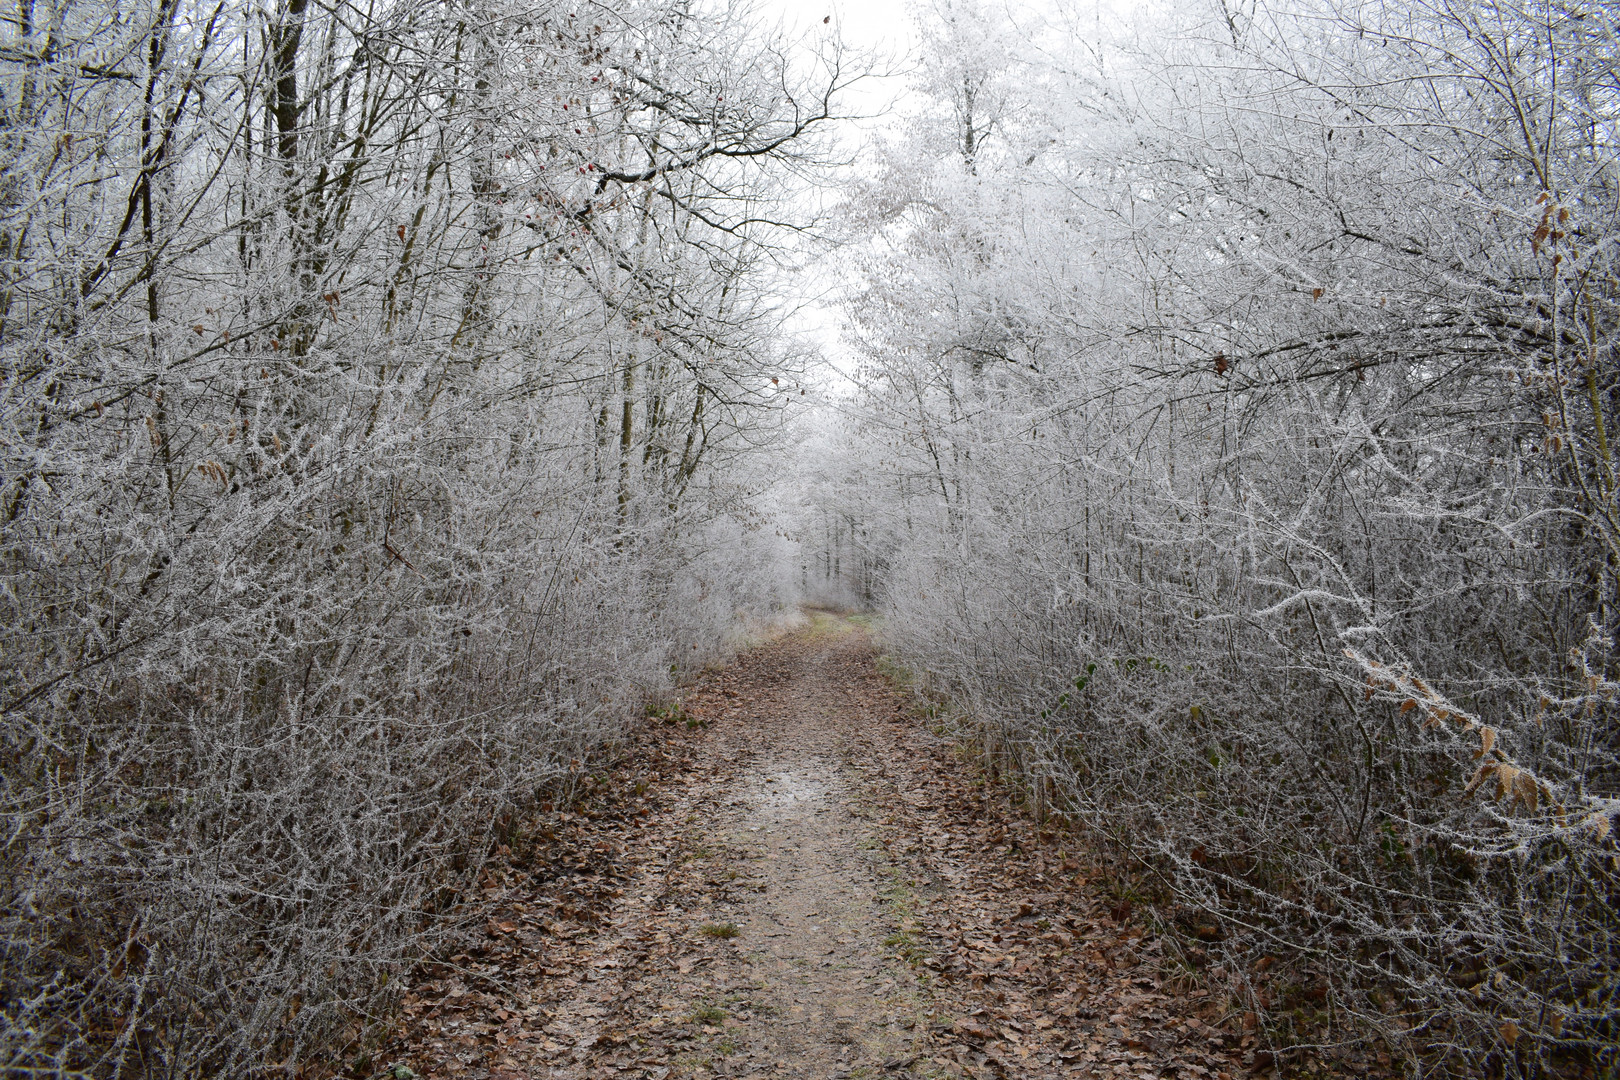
{"x": 885, "y": 30}
{"x": 877, "y": 26}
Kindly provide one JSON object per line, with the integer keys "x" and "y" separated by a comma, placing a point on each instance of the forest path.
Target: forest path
{"x": 801, "y": 881}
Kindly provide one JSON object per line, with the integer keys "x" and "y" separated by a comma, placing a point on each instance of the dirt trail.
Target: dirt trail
{"x": 792, "y": 878}
{"x": 811, "y": 925}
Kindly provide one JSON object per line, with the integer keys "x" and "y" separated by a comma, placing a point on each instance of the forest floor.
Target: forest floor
{"x": 792, "y": 877}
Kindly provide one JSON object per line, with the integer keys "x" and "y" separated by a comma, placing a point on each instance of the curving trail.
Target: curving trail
{"x": 803, "y": 882}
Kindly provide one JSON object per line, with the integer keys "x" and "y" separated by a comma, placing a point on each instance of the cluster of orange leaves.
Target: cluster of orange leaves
{"x": 1512, "y": 781}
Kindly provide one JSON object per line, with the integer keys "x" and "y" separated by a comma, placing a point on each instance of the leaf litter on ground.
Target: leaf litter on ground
{"x": 791, "y": 875}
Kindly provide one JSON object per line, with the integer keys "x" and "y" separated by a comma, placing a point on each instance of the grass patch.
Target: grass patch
{"x": 897, "y": 674}
{"x": 723, "y": 931}
{"x": 824, "y": 624}
{"x": 901, "y": 901}
{"x": 670, "y": 713}
{"x": 905, "y": 945}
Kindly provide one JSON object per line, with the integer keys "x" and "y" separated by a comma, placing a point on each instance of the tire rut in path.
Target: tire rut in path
{"x": 806, "y": 885}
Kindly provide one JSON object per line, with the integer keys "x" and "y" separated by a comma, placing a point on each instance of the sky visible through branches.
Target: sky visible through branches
{"x": 1212, "y": 406}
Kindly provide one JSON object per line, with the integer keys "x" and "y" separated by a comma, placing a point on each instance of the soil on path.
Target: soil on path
{"x": 793, "y": 878}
